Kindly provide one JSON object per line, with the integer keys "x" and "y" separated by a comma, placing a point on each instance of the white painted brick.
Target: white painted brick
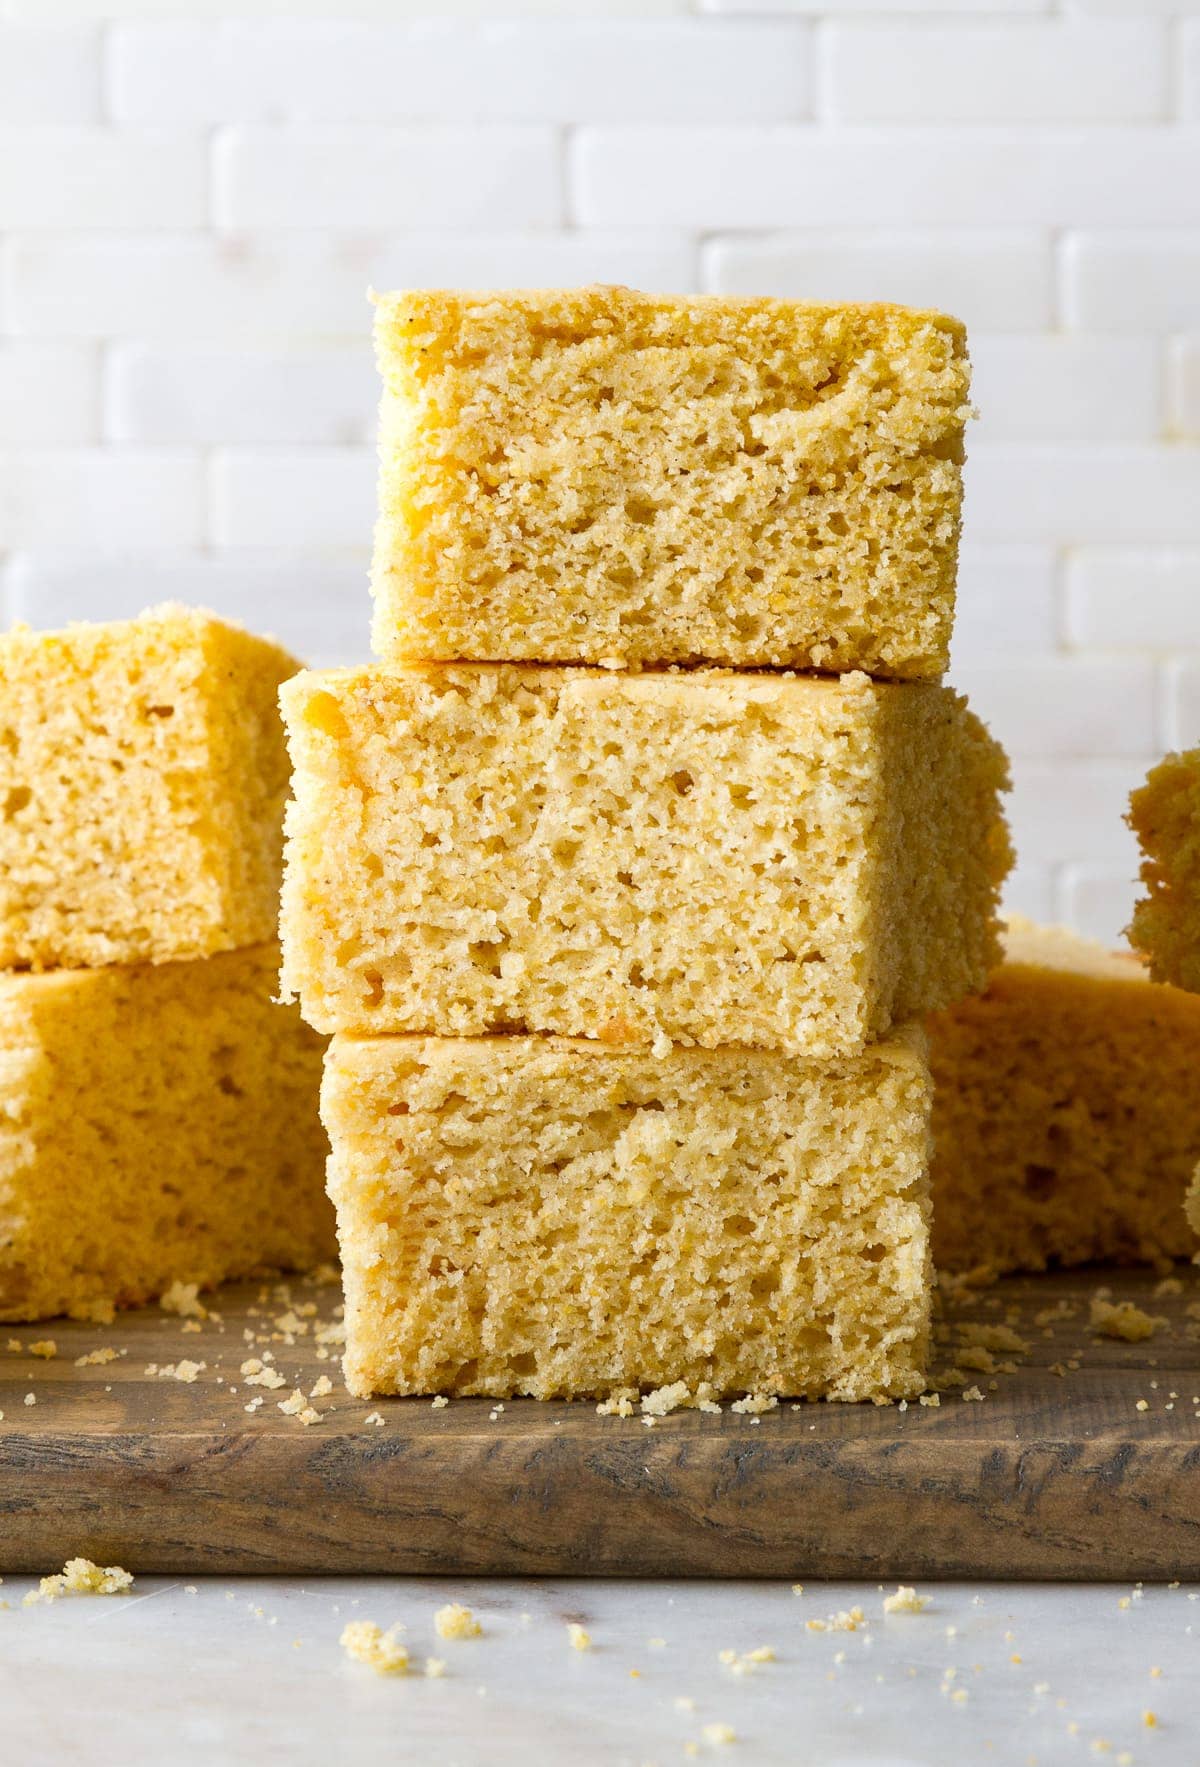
{"x": 1074, "y": 810}
{"x": 323, "y": 9}
{"x": 1080, "y": 495}
{"x": 100, "y": 499}
{"x": 385, "y": 177}
{"x": 1189, "y": 69}
{"x": 1000, "y": 281}
{"x": 1131, "y": 598}
{"x": 1133, "y": 281}
{"x": 318, "y": 608}
{"x": 162, "y": 394}
{"x": 1184, "y": 383}
{"x": 1181, "y": 724}
{"x": 101, "y": 178}
{"x": 1136, "y": 8}
{"x": 48, "y": 393}
{"x": 1097, "y": 900}
{"x": 1065, "y": 386}
{"x": 49, "y": 75}
{"x": 297, "y": 285}
{"x": 267, "y": 71}
{"x": 294, "y": 498}
{"x": 792, "y": 177}
{"x": 881, "y": 6}
{"x": 1065, "y": 708}
{"x": 1007, "y": 602}
{"x": 1011, "y": 71}
{"x": 1029, "y": 890}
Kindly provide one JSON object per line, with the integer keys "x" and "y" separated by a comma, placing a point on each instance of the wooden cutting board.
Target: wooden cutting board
{"x": 1052, "y": 1474}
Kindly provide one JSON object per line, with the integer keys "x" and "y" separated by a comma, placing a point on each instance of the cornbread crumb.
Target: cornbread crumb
{"x": 604, "y": 475}
{"x": 719, "y": 1733}
{"x": 1150, "y": 1720}
{"x": 144, "y": 770}
{"x": 1122, "y": 1319}
{"x": 183, "y": 1298}
{"x": 579, "y": 1637}
{"x": 456, "y": 1621}
{"x": 79, "y": 1576}
{"x": 45, "y": 1348}
{"x": 713, "y": 859}
{"x": 30, "y": 1399}
{"x": 365, "y": 1642}
{"x": 905, "y": 1601}
{"x": 321, "y": 1387}
{"x": 435, "y": 1667}
{"x": 972, "y": 1394}
{"x": 440, "y": 1401}
{"x": 1142, "y": 1405}
{"x": 755, "y": 1404}
{"x": 184, "y": 1371}
{"x": 932, "y": 1400}
{"x": 1066, "y": 1116}
{"x": 710, "y": 1173}
{"x": 618, "y": 1404}
{"x": 257, "y": 1374}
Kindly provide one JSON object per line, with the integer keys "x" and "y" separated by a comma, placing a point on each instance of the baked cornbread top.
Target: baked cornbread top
{"x": 596, "y": 475}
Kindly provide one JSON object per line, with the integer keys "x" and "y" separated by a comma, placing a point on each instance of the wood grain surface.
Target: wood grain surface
{"x": 1052, "y": 1474}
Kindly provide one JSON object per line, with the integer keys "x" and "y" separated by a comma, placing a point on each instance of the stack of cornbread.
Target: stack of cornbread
{"x": 158, "y": 1118}
{"x": 619, "y": 911}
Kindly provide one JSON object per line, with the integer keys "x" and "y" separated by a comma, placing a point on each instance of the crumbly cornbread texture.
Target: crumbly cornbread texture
{"x": 142, "y": 780}
{"x": 157, "y": 1125}
{"x": 705, "y": 857}
{"x": 595, "y": 475}
{"x": 1066, "y": 1113}
{"x": 1165, "y": 816}
{"x": 527, "y": 1215}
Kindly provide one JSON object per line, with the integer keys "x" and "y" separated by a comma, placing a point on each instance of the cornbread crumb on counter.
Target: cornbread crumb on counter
{"x": 79, "y": 1576}
{"x": 554, "y": 1218}
{"x": 46, "y": 1348}
{"x": 183, "y": 1298}
{"x": 704, "y": 858}
{"x": 1164, "y": 813}
{"x": 1121, "y": 1319}
{"x": 578, "y": 1636}
{"x": 160, "y": 1127}
{"x": 718, "y": 1733}
{"x": 365, "y": 1642}
{"x": 905, "y": 1601}
{"x": 598, "y": 475}
{"x": 456, "y": 1621}
{"x": 142, "y": 777}
{"x": 1066, "y": 1112}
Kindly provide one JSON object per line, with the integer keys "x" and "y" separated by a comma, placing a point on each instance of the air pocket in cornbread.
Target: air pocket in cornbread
{"x": 600, "y": 476}
{"x": 707, "y": 858}
{"x": 142, "y": 780}
{"x": 157, "y": 1123}
{"x": 1066, "y": 1112}
{"x": 529, "y": 1215}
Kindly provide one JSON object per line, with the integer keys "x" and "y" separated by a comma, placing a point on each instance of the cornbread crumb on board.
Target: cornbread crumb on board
{"x": 456, "y": 1621}
{"x": 1066, "y": 1115}
{"x": 145, "y": 772}
{"x": 560, "y": 470}
{"x": 79, "y": 1576}
{"x": 1122, "y": 1319}
{"x": 763, "y": 860}
{"x": 160, "y": 1134}
{"x": 365, "y": 1642}
{"x": 476, "y": 1179}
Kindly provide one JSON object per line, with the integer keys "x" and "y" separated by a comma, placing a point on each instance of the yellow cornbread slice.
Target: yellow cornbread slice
{"x": 600, "y": 476}
{"x": 540, "y": 1216}
{"x": 142, "y": 779}
{"x": 1066, "y": 1110}
{"x": 1165, "y": 816}
{"x": 157, "y": 1124}
{"x": 703, "y": 857}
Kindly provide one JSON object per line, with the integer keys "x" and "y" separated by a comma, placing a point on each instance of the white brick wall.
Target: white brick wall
{"x": 196, "y": 194}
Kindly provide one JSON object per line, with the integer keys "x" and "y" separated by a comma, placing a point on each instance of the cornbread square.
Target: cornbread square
{"x": 703, "y": 858}
{"x": 540, "y": 1216}
{"x": 1066, "y": 1110}
{"x": 1165, "y": 816}
{"x": 157, "y": 1123}
{"x": 600, "y": 476}
{"x": 142, "y": 780}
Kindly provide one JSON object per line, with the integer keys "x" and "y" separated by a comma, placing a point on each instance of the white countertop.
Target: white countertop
{"x": 235, "y": 1672}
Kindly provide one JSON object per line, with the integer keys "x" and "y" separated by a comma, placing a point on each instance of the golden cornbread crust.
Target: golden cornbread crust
{"x": 704, "y": 857}
{"x": 596, "y": 475}
{"x": 160, "y": 1125}
{"x": 1066, "y": 1111}
{"x": 142, "y": 779}
{"x": 546, "y": 1217}
{"x": 1165, "y": 815}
